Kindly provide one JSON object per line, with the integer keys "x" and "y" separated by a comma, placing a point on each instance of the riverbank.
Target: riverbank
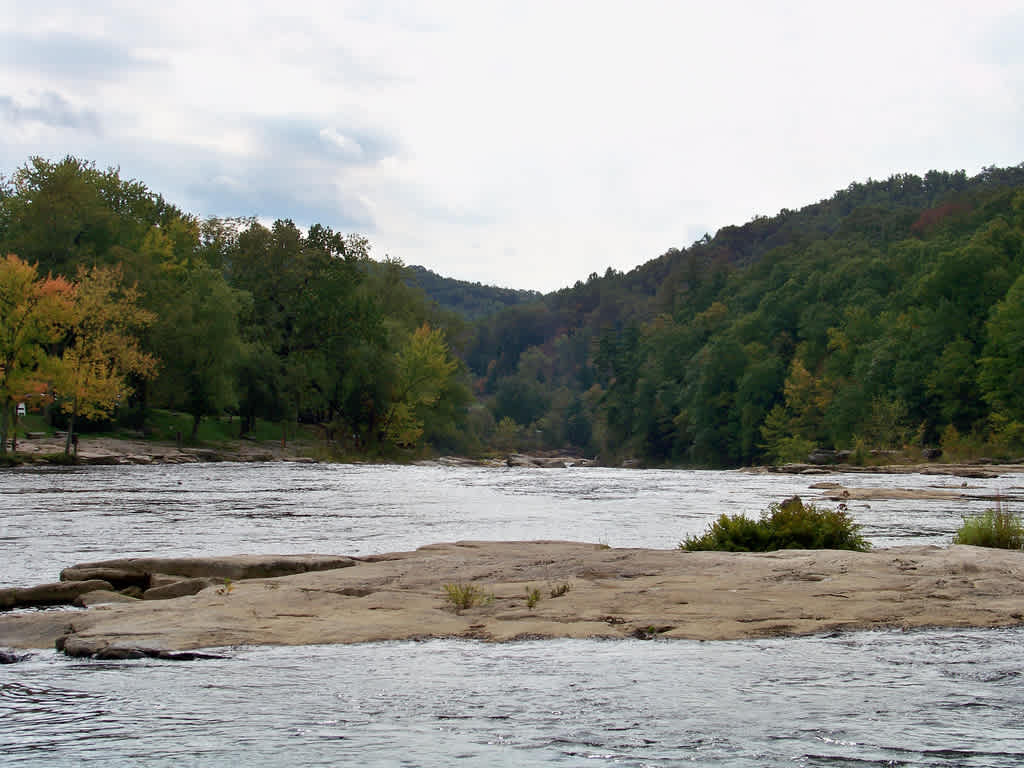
{"x": 116, "y": 450}
{"x": 543, "y": 589}
{"x": 43, "y": 450}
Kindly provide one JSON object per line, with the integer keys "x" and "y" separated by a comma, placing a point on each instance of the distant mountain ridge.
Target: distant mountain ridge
{"x": 471, "y": 300}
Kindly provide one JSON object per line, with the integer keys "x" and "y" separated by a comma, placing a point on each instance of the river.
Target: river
{"x": 925, "y": 698}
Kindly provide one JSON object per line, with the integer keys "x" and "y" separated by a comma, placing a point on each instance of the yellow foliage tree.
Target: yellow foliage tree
{"x": 33, "y": 314}
{"x": 424, "y": 368}
{"x": 91, "y": 376}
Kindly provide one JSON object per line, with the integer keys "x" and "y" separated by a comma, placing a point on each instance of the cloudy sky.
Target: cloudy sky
{"x": 519, "y": 143}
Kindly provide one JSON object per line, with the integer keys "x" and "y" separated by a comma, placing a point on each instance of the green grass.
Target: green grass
{"x": 164, "y": 425}
{"x": 532, "y": 597}
{"x": 998, "y": 528}
{"x": 463, "y": 596}
{"x": 33, "y": 422}
{"x": 790, "y": 524}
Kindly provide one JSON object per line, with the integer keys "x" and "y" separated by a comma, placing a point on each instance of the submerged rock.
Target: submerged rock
{"x": 78, "y": 648}
{"x": 179, "y": 588}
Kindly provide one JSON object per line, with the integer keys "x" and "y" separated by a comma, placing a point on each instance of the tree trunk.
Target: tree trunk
{"x": 4, "y": 415}
{"x": 195, "y": 426}
{"x": 71, "y": 427}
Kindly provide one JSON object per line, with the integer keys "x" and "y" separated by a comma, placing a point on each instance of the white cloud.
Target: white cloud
{"x": 348, "y": 147}
{"x": 522, "y": 143}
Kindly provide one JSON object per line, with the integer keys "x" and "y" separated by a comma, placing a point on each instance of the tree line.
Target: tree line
{"x": 889, "y": 316}
{"x": 115, "y": 302}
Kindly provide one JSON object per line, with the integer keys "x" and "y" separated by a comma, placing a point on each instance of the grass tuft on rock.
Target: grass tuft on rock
{"x": 998, "y": 528}
{"x": 532, "y": 597}
{"x": 790, "y": 524}
{"x": 463, "y": 596}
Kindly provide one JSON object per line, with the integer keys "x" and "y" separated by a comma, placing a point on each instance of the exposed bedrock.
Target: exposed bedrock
{"x": 154, "y": 578}
{"x": 547, "y": 589}
{"x": 139, "y": 570}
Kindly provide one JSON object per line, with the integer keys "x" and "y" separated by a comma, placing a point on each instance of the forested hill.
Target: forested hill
{"x": 888, "y": 316}
{"x": 885, "y": 316}
{"x": 879, "y": 211}
{"x": 471, "y": 300}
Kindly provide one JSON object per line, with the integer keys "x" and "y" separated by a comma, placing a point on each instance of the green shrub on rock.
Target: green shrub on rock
{"x": 790, "y": 524}
{"x": 998, "y": 528}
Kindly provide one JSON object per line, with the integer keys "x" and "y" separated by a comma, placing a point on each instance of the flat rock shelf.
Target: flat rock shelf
{"x": 579, "y": 590}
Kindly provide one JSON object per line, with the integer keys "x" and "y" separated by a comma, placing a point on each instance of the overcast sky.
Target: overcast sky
{"x": 524, "y": 144}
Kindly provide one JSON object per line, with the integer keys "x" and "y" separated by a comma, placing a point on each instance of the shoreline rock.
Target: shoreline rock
{"x": 56, "y": 593}
{"x": 584, "y": 590}
{"x": 116, "y": 451}
{"x": 987, "y": 469}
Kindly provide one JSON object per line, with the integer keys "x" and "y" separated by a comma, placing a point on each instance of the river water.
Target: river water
{"x": 924, "y": 698}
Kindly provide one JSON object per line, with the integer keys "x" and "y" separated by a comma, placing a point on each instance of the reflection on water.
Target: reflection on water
{"x": 935, "y": 698}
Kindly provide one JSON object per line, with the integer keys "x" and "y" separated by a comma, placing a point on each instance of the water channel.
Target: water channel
{"x": 924, "y": 698}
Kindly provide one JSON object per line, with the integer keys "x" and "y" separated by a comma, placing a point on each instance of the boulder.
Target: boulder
{"x": 59, "y": 593}
{"x": 102, "y": 596}
{"x": 119, "y": 577}
{"x": 179, "y": 588}
{"x": 10, "y": 657}
{"x": 546, "y": 463}
{"x": 157, "y": 580}
{"x": 541, "y": 462}
{"x": 821, "y": 456}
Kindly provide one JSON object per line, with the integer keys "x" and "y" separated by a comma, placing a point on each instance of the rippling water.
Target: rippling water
{"x": 929, "y": 698}
{"x": 55, "y": 517}
{"x": 935, "y": 698}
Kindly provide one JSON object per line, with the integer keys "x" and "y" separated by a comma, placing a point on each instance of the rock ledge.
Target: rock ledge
{"x": 583, "y": 590}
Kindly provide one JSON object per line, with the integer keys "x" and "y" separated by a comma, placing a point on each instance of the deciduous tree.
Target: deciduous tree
{"x": 104, "y": 350}
{"x": 424, "y": 368}
{"x": 33, "y": 314}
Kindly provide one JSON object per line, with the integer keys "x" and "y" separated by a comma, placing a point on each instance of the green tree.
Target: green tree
{"x": 424, "y": 369}
{"x": 199, "y": 343}
{"x": 1001, "y": 367}
{"x": 954, "y": 384}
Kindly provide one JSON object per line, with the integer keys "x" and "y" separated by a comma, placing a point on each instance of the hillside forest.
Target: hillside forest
{"x": 887, "y": 317}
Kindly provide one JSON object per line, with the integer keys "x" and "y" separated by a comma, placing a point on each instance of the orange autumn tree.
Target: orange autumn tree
{"x": 103, "y": 350}
{"x": 34, "y": 312}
